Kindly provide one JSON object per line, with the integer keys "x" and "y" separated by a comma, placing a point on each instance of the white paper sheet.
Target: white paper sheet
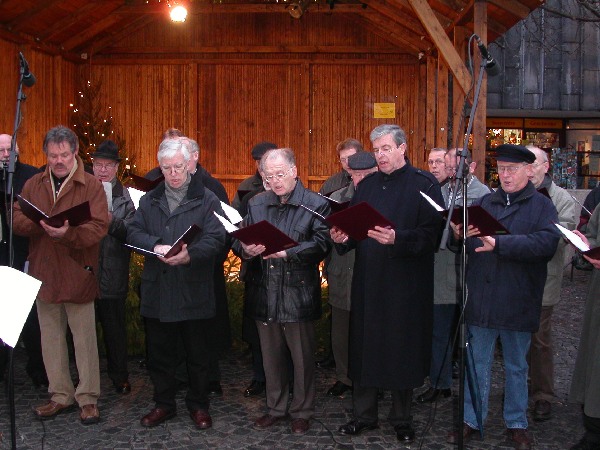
{"x": 19, "y": 291}
{"x": 573, "y": 238}
{"x": 135, "y": 195}
{"x": 229, "y": 227}
{"x": 432, "y": 202}
{"x": 232, "y": 214}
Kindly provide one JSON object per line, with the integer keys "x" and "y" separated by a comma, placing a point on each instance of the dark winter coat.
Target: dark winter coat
{"x": 506, "y": 285}
{"x": 113, "y": 265}
{"x": 184, "y": 292}
{"x": 392, "y": 287}
{"x": 23, "y": 172}
{"x": 288, "y": 290}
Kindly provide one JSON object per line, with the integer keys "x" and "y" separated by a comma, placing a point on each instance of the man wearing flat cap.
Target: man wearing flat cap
{"x": 113, "y": 265}
{"x": 338, "y": 270}
{"x": 505, "y": 279}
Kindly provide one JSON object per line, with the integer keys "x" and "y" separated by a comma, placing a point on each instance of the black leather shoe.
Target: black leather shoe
{"x": 433, "y": 394}
{"x": 255, "y": 388}
{"x": 338, "y": 389}
{"x": 326, "y": 363}
{"x": 404, "y": 433}
{"x": 542, "y": 410}
{"x": 214, "y": 389}
{"x": 355, "y": 427}
{"x": 122, "y": 388}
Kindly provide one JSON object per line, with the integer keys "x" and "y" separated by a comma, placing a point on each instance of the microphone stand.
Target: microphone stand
{"x": 21, "y": 97}
{"x": 461, "y": 180}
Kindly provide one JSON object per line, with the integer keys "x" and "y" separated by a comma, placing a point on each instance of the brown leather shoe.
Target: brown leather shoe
{"x": 467, "y": 432}
{"x": 542, "y": 410}
{"x": 89, "y": 414}
{"x": 51, "y": 409}
{"x": 300, "y": 426}
{"x": 157, "y": 416}
{"x": 266, "y": 421}
{"x": 201, "y": 418}
{"x": 520, "y": 438}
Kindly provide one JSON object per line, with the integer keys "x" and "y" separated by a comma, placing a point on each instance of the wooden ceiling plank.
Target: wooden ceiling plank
{"x": 384, "y": 29}
{"x": 131, "y": 28}
{"x": 92, "y": 31}
{"x": 67, "y": 21}
{"x": 442, "y": 42}
{"x": 512, "y": 6}
{"x": 21, "y": 20}
{"x": 398, "y": 15}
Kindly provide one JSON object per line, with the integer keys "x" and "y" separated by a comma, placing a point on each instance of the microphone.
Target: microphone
{"x": 28, "y": 78}
{"x": 491, "y": 67}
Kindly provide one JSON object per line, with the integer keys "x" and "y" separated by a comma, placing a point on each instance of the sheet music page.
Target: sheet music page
{"x": 19, "y": 293}
{"x": 229, "y": 227}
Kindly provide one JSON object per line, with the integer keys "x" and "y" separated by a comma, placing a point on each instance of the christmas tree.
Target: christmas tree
{"x": 93, "y": 123}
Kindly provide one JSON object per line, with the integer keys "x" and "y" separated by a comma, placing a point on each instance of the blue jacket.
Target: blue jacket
{"x": 506, "y": 285}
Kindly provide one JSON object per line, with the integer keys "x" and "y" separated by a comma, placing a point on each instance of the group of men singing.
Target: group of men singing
{"x": 393, "y": 294}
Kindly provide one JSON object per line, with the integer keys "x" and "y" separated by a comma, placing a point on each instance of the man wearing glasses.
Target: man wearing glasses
{"x": 177, "y": 293}
{"x": 392, "y": 286}
{"x": 113, "y": 266}
{"x": 283, "y": 290}
{"x": 505, "y": 280}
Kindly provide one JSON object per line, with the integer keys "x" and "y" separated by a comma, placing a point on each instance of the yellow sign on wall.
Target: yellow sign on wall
{"x": 384, "y": 110}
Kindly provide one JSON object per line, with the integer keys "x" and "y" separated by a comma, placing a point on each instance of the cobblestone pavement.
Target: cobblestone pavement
{"x": 233, "y": 414}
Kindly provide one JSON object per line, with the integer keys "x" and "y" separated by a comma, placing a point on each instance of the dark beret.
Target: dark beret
{"x": 261, "y": 148}
{"x": 514, "y": 153}
{"x": 362, "y": 161}
{"x": 107, "y": 150}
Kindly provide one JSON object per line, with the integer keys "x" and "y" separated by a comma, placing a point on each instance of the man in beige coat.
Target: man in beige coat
{"x": 541, "y": 365}
{"x": 65, "y": 259}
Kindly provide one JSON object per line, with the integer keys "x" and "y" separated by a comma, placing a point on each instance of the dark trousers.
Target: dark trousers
{"x": 592, "y": 429}
{"x": 30, "y": 335}
{"x": 541, "y": 359}
{"x": 161, "y": 339}
{"x": 276, "y": 339}
{"x": 110, "y": 312}
{"x": 364, "y": 402}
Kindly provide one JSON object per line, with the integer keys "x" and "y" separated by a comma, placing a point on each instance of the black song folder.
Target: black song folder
{"x": 144, "y": 184}
{"x": 76, "y": 215}
{"x": 265, "y": 233}
{"x": 185, "y": 238}
{"x": 480, "y": 219}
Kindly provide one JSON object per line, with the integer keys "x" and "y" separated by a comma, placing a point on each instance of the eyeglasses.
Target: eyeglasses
{"x": 101, "y": 166}
{"x": 177, "y": 168}
{"x": 436, "y": 162}
{"x": 511, "y": 170}
{"x": 383, "y": 150}
{"x": 278, "y": 177}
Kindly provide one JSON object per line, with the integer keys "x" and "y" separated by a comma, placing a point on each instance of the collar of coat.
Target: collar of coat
{"x": 78, "y": 176}
{"x": 500, "y": 196}
{"x": 296, "y": 196}
{"x": 195, "y": 189}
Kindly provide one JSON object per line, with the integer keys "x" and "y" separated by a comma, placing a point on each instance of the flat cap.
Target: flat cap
{"x": 261, "y": 148}
{"x": 107, "y": 150}
{"x": 514, "y": 153}
{"x": 362, "y": 161}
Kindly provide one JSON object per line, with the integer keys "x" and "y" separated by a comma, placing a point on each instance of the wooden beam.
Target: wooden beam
{"x": 442, "y": 42}
{"x": 461, "y": 38}
{"x": 430, "y": 101}
{"x": 398, "y": 14}
{"x": 441, "y": 132}
{"x": 396, "y": 31}
{"x": 237, "y": 8}
{"x": 385, "y": 30}
{"x": 21, "y": 20}
{"x": 479, "y": 128}
{"x": 92, "y": 31}
{"x": 512, "y": 6}
{"x": 253, "y": 49}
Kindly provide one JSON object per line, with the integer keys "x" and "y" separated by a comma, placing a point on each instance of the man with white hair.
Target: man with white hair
{"x": 177, "y": 293}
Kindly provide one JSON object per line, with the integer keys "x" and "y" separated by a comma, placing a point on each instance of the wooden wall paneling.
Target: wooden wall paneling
{"x": 441, "y": 134}
{"x": 207, "y": 111}
{"x": 422, "y": 119}
{"x": 430, "y": 125}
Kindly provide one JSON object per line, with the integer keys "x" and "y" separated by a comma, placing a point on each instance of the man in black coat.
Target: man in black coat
{"x": 392, "y": 286}
{"x": 31, "y": 330}
{"x": 177, "y": 293}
